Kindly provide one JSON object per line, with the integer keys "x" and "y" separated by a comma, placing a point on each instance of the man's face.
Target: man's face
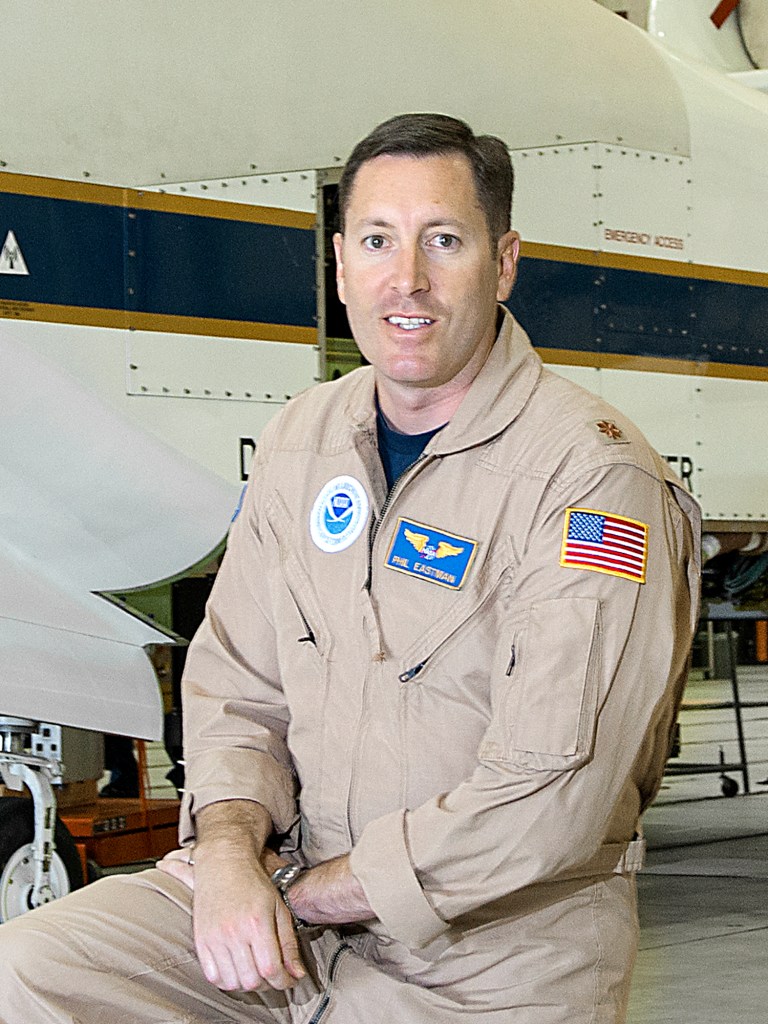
{"x": 418, "y": 272}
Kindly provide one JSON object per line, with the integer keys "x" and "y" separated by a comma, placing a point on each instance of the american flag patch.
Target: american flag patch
{"x": 604, "y": 543}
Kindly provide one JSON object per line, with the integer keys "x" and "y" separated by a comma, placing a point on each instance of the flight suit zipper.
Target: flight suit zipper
{"x": 322, "y": 1006}
{"x": 376, "y": 521}
{"x": 414, "y": 670}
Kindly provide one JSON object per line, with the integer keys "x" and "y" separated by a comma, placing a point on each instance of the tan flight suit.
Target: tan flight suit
{"x": 433, "y": 681}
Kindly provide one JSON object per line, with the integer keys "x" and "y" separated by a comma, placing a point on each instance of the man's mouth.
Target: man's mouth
{"x": 409, "y": 323}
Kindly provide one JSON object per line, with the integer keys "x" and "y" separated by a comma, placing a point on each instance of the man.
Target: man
{"x": 439, "y": 668}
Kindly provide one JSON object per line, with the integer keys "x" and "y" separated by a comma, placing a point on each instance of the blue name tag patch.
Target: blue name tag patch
{"x": 432, "y": 555}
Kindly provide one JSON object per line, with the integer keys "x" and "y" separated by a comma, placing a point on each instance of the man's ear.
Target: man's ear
{"x": 508, "y": 257}
{"x": 338, "y": 239}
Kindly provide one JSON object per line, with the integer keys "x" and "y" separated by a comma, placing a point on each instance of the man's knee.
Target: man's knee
{"x": 54, "y": 960}
{"x": 119, "y": 918}
{"x": 35, "y": 969}
{"x": 20, "y": 944}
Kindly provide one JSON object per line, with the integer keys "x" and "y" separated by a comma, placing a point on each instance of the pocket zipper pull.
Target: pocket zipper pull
{"x": 406, "y": 677}
{"x": 511, "y": 664}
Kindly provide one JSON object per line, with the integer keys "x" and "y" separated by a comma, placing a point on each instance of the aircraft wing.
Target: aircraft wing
{"x": 89, "y": 502}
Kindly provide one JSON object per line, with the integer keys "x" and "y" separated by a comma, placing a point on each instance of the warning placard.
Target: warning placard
{"x": 11, "y": 257}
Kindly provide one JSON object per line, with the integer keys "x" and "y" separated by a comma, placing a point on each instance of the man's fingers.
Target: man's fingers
{"x": 267, "y": 957}
{"x": 289, "y": 944}
{"x": 268, "y": 954}
{"x": 271, "y": 969}
{"x": 244, "y": 963}
{"x": 240, "y": 923}
{"x": 219, "y": 968}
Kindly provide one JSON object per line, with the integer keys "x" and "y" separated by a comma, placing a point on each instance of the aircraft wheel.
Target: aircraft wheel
{"x": 17, "y": 867}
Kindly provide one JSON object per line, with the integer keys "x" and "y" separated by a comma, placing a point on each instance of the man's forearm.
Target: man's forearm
{"x": 326, "y": 894}
{"x": 240, "y": 824}
{"x": 330, "y": 894}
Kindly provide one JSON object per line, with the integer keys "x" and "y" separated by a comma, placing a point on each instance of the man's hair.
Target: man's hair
{"x": 422, "y": 135}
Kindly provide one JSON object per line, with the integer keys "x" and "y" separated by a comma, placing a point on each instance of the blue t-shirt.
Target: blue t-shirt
{"x": 399, "y": 451}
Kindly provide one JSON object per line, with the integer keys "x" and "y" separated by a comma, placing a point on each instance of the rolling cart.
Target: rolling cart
{"x": 725, "y": 614}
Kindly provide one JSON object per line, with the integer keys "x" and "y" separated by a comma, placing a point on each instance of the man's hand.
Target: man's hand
{"x": 244, "y": 934}
{"x": 179, "y": 864}
{"x": 243, "y": 931}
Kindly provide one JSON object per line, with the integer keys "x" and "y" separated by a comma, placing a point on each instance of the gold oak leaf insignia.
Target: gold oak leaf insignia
{"x": 609, "y": 428}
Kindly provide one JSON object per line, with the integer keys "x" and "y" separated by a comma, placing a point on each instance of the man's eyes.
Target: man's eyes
{"x": 444, "y": 241}
{"x": 374, "y": 242}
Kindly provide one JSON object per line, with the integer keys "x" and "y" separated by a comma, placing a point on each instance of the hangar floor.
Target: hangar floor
{"x": 704, "y": 890}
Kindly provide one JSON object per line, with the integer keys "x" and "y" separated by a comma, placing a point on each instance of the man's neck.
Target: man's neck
{"x": 412, "y": 411}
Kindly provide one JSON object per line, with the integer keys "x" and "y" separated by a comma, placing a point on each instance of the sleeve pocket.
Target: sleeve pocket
{"x": 551, "y": 705}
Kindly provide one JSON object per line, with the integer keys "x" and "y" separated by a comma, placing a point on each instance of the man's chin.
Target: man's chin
{"x": 410, "y": 381}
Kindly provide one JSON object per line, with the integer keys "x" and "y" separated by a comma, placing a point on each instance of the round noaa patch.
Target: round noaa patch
{"x": 339, "y": 514}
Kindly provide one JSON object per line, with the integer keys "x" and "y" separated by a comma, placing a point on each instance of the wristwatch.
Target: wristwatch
{"x": 283, "y": 879}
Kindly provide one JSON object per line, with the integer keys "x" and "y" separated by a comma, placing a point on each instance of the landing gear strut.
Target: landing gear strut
{"x": 38, "y": 858}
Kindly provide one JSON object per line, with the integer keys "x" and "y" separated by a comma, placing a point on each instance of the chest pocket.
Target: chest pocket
{"x": 546, "y": 684}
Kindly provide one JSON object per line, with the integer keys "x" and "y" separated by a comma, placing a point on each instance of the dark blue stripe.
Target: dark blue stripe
{"x": 629, "y": 312}
{"x": 233, "y": 270}
{"x": 78, "y": 255}
{"x": 105, "y": 257}
{"x": 73, "y": 251}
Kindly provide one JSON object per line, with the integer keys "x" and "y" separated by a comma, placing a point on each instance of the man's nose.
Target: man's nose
{"x": 410, "y": 271}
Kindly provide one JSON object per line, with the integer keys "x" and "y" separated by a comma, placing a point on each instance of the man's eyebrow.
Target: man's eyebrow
{"x": 447, "y": 222}
{"x": 437, "y": 222}
{"x": 373, "y": 222}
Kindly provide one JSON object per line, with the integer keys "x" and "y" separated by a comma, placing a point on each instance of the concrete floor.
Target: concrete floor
{"x": 704, "y": 892}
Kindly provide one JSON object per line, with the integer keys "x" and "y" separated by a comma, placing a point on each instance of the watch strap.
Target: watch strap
{"x": 283, "y": 878}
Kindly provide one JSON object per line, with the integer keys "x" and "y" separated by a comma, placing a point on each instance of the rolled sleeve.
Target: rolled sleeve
{"x": 381, "y": 863}
{"x": 238, "y": 775}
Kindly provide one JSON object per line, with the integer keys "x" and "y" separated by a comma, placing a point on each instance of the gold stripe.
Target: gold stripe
{"x": 167, "y": 323}
{"x": 652, "y": 364}
{"x": 645, "y": 264}
{"x": 109, "y": 195}
{"x": 82, "y": 315}
{"x": 732, "y": 525}
{"x": 123, "y": 319}
{"x": 560, "y": 253}
{"x": 220, "y": 209}
{"x": 58, "y": 188}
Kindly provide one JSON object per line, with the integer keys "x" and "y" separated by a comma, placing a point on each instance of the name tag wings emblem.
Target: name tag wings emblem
{"x": 428, "y": 551}
{"x": 430, "y": 554}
